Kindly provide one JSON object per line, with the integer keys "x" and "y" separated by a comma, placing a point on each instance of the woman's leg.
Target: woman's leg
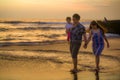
{"x": 98, "y": 53}
{"x": 97, "y": 59}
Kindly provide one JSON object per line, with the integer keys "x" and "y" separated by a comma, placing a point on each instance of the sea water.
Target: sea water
{"x": 34, "y": 31}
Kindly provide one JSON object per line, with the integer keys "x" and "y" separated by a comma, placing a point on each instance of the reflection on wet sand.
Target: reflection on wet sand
{"x": 75, "y": 76}
{"x": 35, "y": 61}
{"x": 97, "y": 75}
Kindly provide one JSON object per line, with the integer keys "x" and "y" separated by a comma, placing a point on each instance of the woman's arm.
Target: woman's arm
{"x": 105, "y": 38}
{"x": 87, "y": 41}
{"x": 89, "y": 38}
{"x": 85, "y": 38}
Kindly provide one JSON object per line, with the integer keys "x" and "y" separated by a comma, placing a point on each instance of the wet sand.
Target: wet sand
{"x": 53, "y": 62}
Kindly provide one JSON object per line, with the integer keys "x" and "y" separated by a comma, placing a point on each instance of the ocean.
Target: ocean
{"x": 34, "y": 31}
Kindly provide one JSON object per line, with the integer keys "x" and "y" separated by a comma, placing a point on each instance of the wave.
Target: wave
{"x": 41, "y": 28}
{"x": 30, "y": 43}
{"x": 32, "y": 28}
{"x": 3, "y": 29}
{"x": 111, "y": 35}
{"x": 37, "y": 22}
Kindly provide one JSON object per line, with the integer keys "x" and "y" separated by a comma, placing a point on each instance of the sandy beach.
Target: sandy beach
{"x": 53, "y": 62}
{"x": 33, "y": 39}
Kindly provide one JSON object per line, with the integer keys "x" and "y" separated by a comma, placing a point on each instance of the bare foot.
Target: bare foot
{"x": 97, "y": 69}
{"x": 74, "y": 71}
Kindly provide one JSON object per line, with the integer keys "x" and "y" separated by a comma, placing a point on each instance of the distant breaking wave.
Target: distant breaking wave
{"x": 37, "y": 22}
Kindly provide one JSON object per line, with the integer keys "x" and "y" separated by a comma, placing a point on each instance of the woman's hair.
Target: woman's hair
{"x": 95, "y": 23}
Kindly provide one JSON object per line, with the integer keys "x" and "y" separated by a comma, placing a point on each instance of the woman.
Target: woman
{"x": 98, "y": 36}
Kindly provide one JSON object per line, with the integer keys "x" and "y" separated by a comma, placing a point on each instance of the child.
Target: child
{"x": 98, "y": 37}
{"x": 68, "y": 26}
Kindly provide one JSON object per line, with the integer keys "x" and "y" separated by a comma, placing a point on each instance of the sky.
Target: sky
{"x": 59, "y": 9}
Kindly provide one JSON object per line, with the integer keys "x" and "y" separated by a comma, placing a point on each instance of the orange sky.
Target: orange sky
{"x": 88, "y": 9}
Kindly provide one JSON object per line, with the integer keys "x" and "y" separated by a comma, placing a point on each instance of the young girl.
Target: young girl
{"x": 68, "y": 26}
{"x": 98, "y": 37}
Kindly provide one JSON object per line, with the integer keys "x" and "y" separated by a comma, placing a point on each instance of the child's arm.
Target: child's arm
{"x": 106, "y": 41}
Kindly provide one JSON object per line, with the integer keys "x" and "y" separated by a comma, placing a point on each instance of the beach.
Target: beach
{"x": 52, "y": 61}
{"x": 34, "y": 34}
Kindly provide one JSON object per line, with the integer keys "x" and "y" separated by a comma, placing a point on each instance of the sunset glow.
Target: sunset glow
{"x": 59, "y": 9}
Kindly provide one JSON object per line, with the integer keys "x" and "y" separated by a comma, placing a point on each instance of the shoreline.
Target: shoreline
{"x": 53, "y": 62}
{"x": 35, "y": 43}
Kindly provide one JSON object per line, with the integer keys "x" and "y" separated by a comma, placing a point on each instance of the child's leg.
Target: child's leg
{"x": 68, "y": 36}
{"x": 97, "y": 59}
